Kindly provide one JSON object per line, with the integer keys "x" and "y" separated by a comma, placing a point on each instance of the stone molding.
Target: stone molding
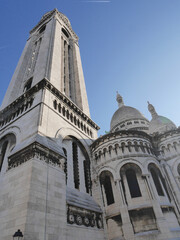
{"x": 123, "y": 133}
{"x": 15, "y": 109}
{"x": 84, "y": 217}
{"x": 35, "y": 151}
{"x": 28, "y": 97}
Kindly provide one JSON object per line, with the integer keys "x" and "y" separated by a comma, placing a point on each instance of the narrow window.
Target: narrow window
{"x": 65, "y": 66}
{"x": 65, "y": 164}
{"x": 59, "y": 108}
{"x": 157, "y": 182}
{"x": 64, "y": 111}
{"x": 87, "y": 175}
{"x": 75, "y": 165}
{"x": 55, "y": 104}
{"x": 108, "y": 190}
{"x": 69, "y": 68}
{"x": 3, "y": 152}
{"x": 42, "y": 29}
{"x": 133, "y": 183}
{"x": 65, "y": 32}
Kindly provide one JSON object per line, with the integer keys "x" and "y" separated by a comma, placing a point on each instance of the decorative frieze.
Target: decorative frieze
{"x": 35, "y": 151}
{"x": 15, "y": 109}
{"x": 84, "y": 217}
{"x": 25, "y": 101}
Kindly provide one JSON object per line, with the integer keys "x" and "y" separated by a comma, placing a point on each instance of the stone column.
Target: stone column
{"x": 161, "y": 221}
{"x": 173, "y": 185}
{"x": 126, "y": 222}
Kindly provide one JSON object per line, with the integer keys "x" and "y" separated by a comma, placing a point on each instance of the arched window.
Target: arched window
{"x": 157, "y": 182}
{"x": 79, "y": 163}
{"x": 3, "y": 152}
{"x": 63, "y": 111}
{"x": 133, "y": 183}
{"x": 42, "y": 29}
{"x": 105, "y": 180}
{"x": 59, "y": 108}
{"x": 65, "y": 32}
{"x": 67, "y": 114}
{"x": 55, "y": 104}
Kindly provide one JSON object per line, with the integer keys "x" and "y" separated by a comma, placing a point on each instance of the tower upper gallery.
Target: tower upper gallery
{"x": 51, "y": 52}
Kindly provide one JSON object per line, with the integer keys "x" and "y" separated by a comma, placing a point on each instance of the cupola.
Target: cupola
{"x": 126, "y": 118}
{"x": 158, "y": 123}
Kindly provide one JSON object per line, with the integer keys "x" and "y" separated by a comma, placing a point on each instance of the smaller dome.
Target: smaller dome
{"x": 161, "y": 124}
{"x": 158, "y": 123}
{"x": 127, "y": 118}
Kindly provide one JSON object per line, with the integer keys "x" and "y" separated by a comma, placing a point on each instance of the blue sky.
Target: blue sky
{"x": 132, "y": 46}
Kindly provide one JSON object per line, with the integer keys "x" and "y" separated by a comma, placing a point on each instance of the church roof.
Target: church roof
{"x": 125, "y": 113}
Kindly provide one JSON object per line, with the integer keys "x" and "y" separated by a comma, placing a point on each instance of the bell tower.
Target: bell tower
{"x": 45, "y": 134}
{"x": 51, "y": 52}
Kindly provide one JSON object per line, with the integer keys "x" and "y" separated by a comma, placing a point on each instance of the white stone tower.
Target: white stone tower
{"x": 45, "y": 133}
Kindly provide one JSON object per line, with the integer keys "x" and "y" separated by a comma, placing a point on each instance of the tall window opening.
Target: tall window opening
{"x": 69, "y": 66}
{"x": 65, "y": 66}
{"x": 157, "y": 182}
{"x": 75, "y": 165}
{"x": 87, "y": 175}
{"x": 78, "y": 163}
{"x": 105, "y": 180}
{"x": 65, "y": 164}
{"x": 65, "y": 32}
{"x": 42, "y": 29}
{"x": 3, "y": 152}
{"x": 133, "y": 183}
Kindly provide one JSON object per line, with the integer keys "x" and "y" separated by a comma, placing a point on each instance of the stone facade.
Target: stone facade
{"x": 57, "y": 179}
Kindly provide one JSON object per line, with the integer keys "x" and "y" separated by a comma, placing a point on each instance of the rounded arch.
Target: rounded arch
{"x": 106, "y": 180}
{"x": 130, "y": 161}
{"x": 148, "y": 162}
{"x": 77, "y": 158}
{"x": 7, "y": 143}
{"x": 16, "y": 131}
{"x": 62, "y": 133}
{"x": 158, "y": 179}
{"x": 107, "y": 169}
{"x": 175, "y": 167}
{"x": 130, "y": 172}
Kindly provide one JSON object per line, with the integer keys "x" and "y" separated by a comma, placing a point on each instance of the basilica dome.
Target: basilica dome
{"x": 158, "y": 123}
{"x": 127, "y": 118}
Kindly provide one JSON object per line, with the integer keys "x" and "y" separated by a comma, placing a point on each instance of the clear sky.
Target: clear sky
{"x": 132, "y": 46}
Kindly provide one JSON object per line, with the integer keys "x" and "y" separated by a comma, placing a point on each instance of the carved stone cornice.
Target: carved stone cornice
{"x": 36, "y": 151}
{"x": 122, "y": 133}
{"x": 163, "y": 136}
{"x": 45, "y": 83}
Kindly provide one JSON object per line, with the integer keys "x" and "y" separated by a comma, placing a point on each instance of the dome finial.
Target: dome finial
{"x": 119, "y": 99}
{"x": 152, "y": 110}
